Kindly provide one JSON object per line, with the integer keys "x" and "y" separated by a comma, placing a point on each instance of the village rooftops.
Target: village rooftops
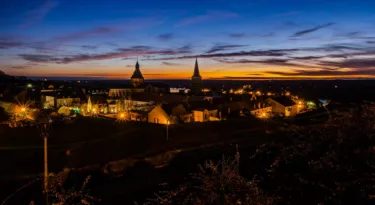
{"x": 284, "y": 100}
{"x": 161, "y": 98}
{"x": 201, "y": 105}
{"x": 157, "y": 98}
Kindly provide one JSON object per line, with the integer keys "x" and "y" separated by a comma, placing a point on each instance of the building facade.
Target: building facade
{"x": 136, "y": 85}
{"x": 283, "y": 106}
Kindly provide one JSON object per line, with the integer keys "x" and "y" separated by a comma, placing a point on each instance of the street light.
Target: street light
{"x": 44, "y": 123}
{"x": 167, "y": 129}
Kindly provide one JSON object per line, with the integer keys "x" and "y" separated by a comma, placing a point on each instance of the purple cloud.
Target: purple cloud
{"x": 10, "y": 44}
{"x": 36, "y": 15}
{"x": 119, "y": 53}
{"x": 89, "y": 33}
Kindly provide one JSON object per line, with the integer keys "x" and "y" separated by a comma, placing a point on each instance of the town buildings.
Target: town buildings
{"x": 146, "y": 101}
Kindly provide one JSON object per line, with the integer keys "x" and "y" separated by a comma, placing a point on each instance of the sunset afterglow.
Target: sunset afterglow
{"x": 231, "y": 39}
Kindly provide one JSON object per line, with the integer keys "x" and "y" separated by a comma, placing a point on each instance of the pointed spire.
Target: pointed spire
{"x": 137, "y": 72}
{"x": 137, "y": 64}
{"x": 196, "y": 69}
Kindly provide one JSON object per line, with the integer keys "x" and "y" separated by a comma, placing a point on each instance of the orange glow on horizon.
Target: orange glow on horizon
{"x": 209, "y": 72}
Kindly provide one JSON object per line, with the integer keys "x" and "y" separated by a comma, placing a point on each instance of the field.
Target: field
{"x": 95, "y": 141}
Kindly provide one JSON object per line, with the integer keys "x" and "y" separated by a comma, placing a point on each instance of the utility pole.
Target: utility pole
{"x": 167, "y": 130}
{"x": 44, "y": 124}
{"x": 45, "y": 180}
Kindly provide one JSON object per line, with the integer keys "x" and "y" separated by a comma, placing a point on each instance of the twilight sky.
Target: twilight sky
{"x": 233, "y": 39}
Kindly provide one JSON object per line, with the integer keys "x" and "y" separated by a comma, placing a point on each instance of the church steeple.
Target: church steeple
{"x": 137, "y": 77}
{"x": 196, "y": 69}
{"x": 196, "y": 80}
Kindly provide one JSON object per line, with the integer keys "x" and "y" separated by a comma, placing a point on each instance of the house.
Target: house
{"x": 283, "y": 105}
{"x": 159, "y": 116}
{"x": 261, "y": 110}
{"x": 172, "y": 112}
{"x": 58, "y": 98}
{"x": 245, "y": 105}
{"x": 203, "y": 111}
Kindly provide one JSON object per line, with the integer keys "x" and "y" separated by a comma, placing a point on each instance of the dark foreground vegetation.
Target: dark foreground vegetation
{"x": 333, "y": 163}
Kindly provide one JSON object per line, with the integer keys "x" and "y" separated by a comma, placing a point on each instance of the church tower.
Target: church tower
{"x": 196, "y": 80}
{"x": 137, "y": 77}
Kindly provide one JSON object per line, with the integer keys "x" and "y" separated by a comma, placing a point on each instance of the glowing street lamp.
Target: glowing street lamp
{"x": 121, "y": 117}
{"x": 263, "y": 115}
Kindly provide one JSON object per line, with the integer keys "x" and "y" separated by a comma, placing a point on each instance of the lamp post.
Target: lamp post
{"x": 44, "y": 123}
{"x": 167, "y": 129}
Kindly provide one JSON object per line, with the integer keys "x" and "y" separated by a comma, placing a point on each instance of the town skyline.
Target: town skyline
{"x": 232, "y": 40}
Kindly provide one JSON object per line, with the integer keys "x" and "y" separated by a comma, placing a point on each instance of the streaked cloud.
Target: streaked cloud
{"x": 311, "y": 30}
{"x": 170, "y": 64}
{"x": 217, "y": 48}
{"x": 36, "y": 15}
{"x": 20, "y": 67}
{"x": 10, "y": 44}
{"x": 119, "y": 53}
{"x": 352, "y": 63}
{"x": 326, "y": 72}
{"x": 274, "y": 53}
{"x": 37, "y": 58}
{"x": 277, "y": 62}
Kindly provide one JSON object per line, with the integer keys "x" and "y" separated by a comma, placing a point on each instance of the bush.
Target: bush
{"x": 217, "y": 183}
{"x": 331, "y": 164}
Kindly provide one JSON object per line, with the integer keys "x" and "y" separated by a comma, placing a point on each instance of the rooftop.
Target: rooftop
{"x": 284, "y": 100}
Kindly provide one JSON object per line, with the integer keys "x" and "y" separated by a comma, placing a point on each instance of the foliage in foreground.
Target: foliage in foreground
{"x": 217, "y": 183}
{"x": 332, "y": 164}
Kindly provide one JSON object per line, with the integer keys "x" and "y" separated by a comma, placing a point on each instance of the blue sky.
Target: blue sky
{"x": 233, "y": 39}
